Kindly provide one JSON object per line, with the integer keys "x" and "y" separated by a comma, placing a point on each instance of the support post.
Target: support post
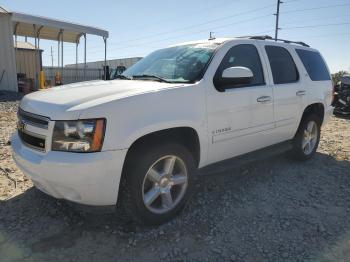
{"x": 277, "y": 19}
{"x": 15, "y": 33}
{"x": 58, "y": 49}
{"x": 105, "y": 73}
{"x": 84, "y": 57}
{"x": 62, "y": 55}
{"x": 76, "y": 56}
{"x": 51, "y": 58}
{"x": 36, "y": 82}
{"x": 37, "y": 56}
{"x": 76, "y": 60}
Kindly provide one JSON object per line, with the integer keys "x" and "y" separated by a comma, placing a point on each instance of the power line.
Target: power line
{"x": 253, "y": 33}
{"x": 194, "y": 25}
{"x": 313, "y": 26}
{"x": 313, "y": 8}
{"x": 218, "y": 4}
{"x": 319, "y": 18}
{"x": 185, "y": 34}
{"x": 324, "y": 35}
{"x": 211, "y": 21}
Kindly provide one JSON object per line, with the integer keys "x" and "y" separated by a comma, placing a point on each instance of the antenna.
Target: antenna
{"x": 211, "y": 37}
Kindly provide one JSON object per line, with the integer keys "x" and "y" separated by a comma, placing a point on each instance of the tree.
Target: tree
{"x": 336, "y": 76}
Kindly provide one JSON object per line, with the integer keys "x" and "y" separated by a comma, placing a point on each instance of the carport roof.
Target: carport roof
{"x": 48, "y": 28}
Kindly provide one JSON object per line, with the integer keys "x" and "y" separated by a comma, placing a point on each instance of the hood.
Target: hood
{"x": 67, "y": 100}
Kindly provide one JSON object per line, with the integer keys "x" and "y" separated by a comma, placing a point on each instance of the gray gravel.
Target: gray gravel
{"x": 271, "y": 210}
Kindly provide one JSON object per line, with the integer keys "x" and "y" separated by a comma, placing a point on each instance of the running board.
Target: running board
{"x": 238, "y": 161}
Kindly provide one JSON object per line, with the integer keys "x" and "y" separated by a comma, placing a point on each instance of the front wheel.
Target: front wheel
{"x": 307, "y": 138}
{"x": 157, "y": 182}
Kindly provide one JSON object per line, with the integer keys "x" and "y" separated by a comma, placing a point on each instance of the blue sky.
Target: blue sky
{"x": 138, "y": 27}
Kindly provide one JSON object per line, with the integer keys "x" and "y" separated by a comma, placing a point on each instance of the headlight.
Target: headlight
{"x": 78, "y": 136}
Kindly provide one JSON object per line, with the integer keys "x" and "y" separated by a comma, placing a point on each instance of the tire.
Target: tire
{"x": 307, "y": 138}
{"x": 147, "y": 194}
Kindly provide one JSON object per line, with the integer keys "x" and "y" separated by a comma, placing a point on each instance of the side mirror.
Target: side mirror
{"x": 237, "y": 72}
{"x": 234, "y": 76}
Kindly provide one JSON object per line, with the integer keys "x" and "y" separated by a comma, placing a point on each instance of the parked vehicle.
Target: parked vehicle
{"x": 140, "y": 140}
{"x": 342, "y": 97}
{"x": 116, "y": 72}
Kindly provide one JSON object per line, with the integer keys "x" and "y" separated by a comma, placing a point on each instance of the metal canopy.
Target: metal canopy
{"x": 51, "y": 28}
{"x": 40, "y": 27}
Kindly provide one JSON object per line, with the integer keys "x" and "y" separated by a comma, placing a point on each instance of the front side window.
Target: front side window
{"x": 282, "y": 65}
{"x": 314, "y": 65}
{"x": 245, "y": 55}
{"x": 178, "y": 64}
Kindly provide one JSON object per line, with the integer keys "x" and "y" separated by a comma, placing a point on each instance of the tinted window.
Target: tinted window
{"x": 314, "y": 65}
{"x": 246, "y": 56}
{"x": 282, "y": 65}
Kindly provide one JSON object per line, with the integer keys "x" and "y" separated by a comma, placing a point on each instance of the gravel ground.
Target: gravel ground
{"x": 271, "y": 210}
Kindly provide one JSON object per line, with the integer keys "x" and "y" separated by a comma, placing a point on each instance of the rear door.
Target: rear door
{"x": 289, "y": 92}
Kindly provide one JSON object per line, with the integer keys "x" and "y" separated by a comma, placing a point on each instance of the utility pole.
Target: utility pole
{"x": 51, "y": 57}
{"x": 277, "y": 18}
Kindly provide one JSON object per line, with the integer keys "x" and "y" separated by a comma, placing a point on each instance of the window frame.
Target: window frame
{"x": 291, "y": 56}
{"x": 244, "y": 85}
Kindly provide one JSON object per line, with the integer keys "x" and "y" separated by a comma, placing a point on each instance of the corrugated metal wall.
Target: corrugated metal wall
{"x": 25, "y": 62}
{"x": 113, "y": 63}
{"x": 71, "y": 75}
{"x": 7, "y": 55}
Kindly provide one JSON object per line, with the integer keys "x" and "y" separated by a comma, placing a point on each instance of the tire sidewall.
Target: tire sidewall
{"x": 297, "y": 147}
{"x": 137, "y": 169}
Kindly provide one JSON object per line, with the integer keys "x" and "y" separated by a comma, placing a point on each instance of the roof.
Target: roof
{"x": 218, "y": 41}
{"x": 3, "y": 10}
{"x": 24, "y": 45}
{"x": 50, "y": 28}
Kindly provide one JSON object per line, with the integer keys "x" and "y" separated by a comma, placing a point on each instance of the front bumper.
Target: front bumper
{"x": 85, "y": 178}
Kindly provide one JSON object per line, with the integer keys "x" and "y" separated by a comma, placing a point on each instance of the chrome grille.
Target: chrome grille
{"x": 33, "y": 139}
{"x": 33, "y": 119}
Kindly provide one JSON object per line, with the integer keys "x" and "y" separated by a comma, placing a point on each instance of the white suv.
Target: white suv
{"x": 141, "y": 138}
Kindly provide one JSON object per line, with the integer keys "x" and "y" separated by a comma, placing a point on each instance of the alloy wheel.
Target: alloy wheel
{"x": 165, "y": 184}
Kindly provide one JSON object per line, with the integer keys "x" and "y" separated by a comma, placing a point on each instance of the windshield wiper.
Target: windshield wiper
{"x": 151, "y": 76}
{"x": 123, "y": 77}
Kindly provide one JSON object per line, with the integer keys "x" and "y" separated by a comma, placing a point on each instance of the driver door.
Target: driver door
{"x": 240, "y": 116}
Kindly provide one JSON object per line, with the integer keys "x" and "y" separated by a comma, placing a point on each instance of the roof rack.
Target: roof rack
{"x": 267, "y": 37}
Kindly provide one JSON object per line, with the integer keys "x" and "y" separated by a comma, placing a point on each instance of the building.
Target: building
{"x": 13, "y": 24}
{"x": 28, "y": 61}
{"x": 8, "y": 73}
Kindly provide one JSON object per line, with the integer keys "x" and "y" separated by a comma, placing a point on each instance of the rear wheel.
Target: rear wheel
{"x": 157, "y": 183}
{"x": 307, "y": 138}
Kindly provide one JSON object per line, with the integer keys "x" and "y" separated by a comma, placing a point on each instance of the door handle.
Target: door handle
{"x": 301, "y": 93}
{"x": 264, "y": 99}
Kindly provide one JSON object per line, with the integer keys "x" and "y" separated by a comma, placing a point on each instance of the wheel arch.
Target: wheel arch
{"x": 185, "y": 135}
{"x": 315, "y": 108}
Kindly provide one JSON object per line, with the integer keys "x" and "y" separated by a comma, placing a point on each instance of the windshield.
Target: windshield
{"x": 183, "y": 64}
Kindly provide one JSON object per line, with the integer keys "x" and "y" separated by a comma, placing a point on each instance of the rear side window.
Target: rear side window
{"x": 314, "y": 65}
{"x": 282, "y": 65}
